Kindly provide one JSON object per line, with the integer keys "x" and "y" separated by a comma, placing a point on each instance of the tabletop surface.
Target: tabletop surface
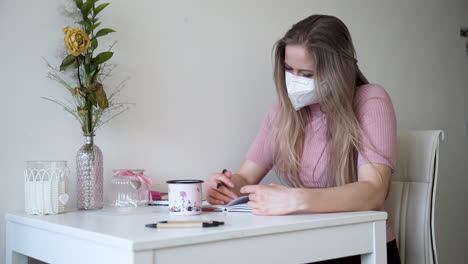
{"x": 125, "y": 228}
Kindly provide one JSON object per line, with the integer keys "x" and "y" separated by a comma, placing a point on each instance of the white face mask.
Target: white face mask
{"x": 301, "y": 90}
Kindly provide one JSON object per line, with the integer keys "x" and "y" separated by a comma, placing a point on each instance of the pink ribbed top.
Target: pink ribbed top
{"x": 376, "y": 116}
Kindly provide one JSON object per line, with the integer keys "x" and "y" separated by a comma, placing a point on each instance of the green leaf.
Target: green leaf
{"x": 86, "y": 22}
{"x": 91, "y": 28}
{"x": 103, "y": 32}
{"x": 79, "y": 3}
{"x": 95, "y": 19}
{"x": 86, "y": 7}
{"x": 69, "y": 61}
{"x": 94, "y": 44}
{"x": 102, "y": 57}
{"x": 101, "y": 96}
{"x": 90, "y": 78}
{"x": 93, "y": 67}
{"x": 100, "y": 8}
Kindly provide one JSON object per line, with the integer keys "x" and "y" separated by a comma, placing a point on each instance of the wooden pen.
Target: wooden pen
{"x": 179, "y": 224}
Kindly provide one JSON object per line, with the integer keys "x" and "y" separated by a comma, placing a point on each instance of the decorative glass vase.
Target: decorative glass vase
{"x": 89, "y": 171}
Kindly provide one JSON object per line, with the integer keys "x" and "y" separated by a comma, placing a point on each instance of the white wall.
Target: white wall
{"x": 201, "y": 80}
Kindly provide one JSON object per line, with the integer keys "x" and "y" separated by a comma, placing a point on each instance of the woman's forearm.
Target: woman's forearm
{"x": 358, "y": 196}
{"x": 239, "y": 182}
{"x": 249, "y": 173}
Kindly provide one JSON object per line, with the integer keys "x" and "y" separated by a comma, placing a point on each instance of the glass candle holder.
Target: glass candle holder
{"x": 128, "y": 189}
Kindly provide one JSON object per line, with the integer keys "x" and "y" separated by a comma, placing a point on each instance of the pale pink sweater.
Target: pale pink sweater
{"x": 376, "y": 116}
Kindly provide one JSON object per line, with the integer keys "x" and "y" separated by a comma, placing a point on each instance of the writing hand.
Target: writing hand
{"x": 219, "y": 188}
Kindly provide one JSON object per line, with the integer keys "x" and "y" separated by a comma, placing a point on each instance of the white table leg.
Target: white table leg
{"x": 12, "y": 257}
{"x": 143, "y": 257}
{"x": 379, "y": 254}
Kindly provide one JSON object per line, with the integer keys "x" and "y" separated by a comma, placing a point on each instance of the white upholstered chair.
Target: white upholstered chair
{"x": 411, "y": 200}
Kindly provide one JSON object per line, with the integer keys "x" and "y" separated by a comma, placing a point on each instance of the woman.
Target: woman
{"x": 331, "y": 136}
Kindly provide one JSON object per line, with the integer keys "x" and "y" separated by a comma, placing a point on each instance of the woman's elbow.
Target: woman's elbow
{"x": 376, "y": 198}
{"x": 377, "y": 203}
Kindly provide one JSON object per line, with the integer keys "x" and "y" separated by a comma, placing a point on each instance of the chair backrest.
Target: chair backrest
{"x": 411, "y": 200}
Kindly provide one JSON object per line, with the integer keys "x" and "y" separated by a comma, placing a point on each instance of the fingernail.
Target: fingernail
{"x": 224, "y": 171}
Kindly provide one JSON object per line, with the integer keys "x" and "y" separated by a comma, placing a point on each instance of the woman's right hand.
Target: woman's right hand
{"x": 224, "y": 194}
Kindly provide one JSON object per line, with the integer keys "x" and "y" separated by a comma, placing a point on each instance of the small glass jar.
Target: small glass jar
{"x": 128, "y": 190}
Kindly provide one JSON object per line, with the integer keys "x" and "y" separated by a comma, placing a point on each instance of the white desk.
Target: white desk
{"x": 110, "y": 236}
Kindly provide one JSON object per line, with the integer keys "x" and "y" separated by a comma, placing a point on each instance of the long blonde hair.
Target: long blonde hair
{"x": 336, "y": 78}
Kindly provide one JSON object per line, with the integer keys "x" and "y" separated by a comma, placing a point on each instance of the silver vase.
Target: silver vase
{"x": 89, "y": 171}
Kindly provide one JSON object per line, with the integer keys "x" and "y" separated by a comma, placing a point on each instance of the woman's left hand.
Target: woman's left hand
{"x": 272, "y": 199}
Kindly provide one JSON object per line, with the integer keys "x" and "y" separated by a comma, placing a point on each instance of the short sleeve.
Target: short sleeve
{"x": 260, "y": 151}
{"x": 376, "y": 117}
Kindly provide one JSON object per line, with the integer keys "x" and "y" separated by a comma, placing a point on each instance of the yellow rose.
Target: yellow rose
{"x": 76, "y": 40}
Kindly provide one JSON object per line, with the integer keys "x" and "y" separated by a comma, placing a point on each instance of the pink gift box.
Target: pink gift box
{"x": 155, "y": 195}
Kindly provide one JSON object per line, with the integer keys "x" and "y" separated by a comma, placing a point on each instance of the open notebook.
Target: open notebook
{"x": 236, "y": 205}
